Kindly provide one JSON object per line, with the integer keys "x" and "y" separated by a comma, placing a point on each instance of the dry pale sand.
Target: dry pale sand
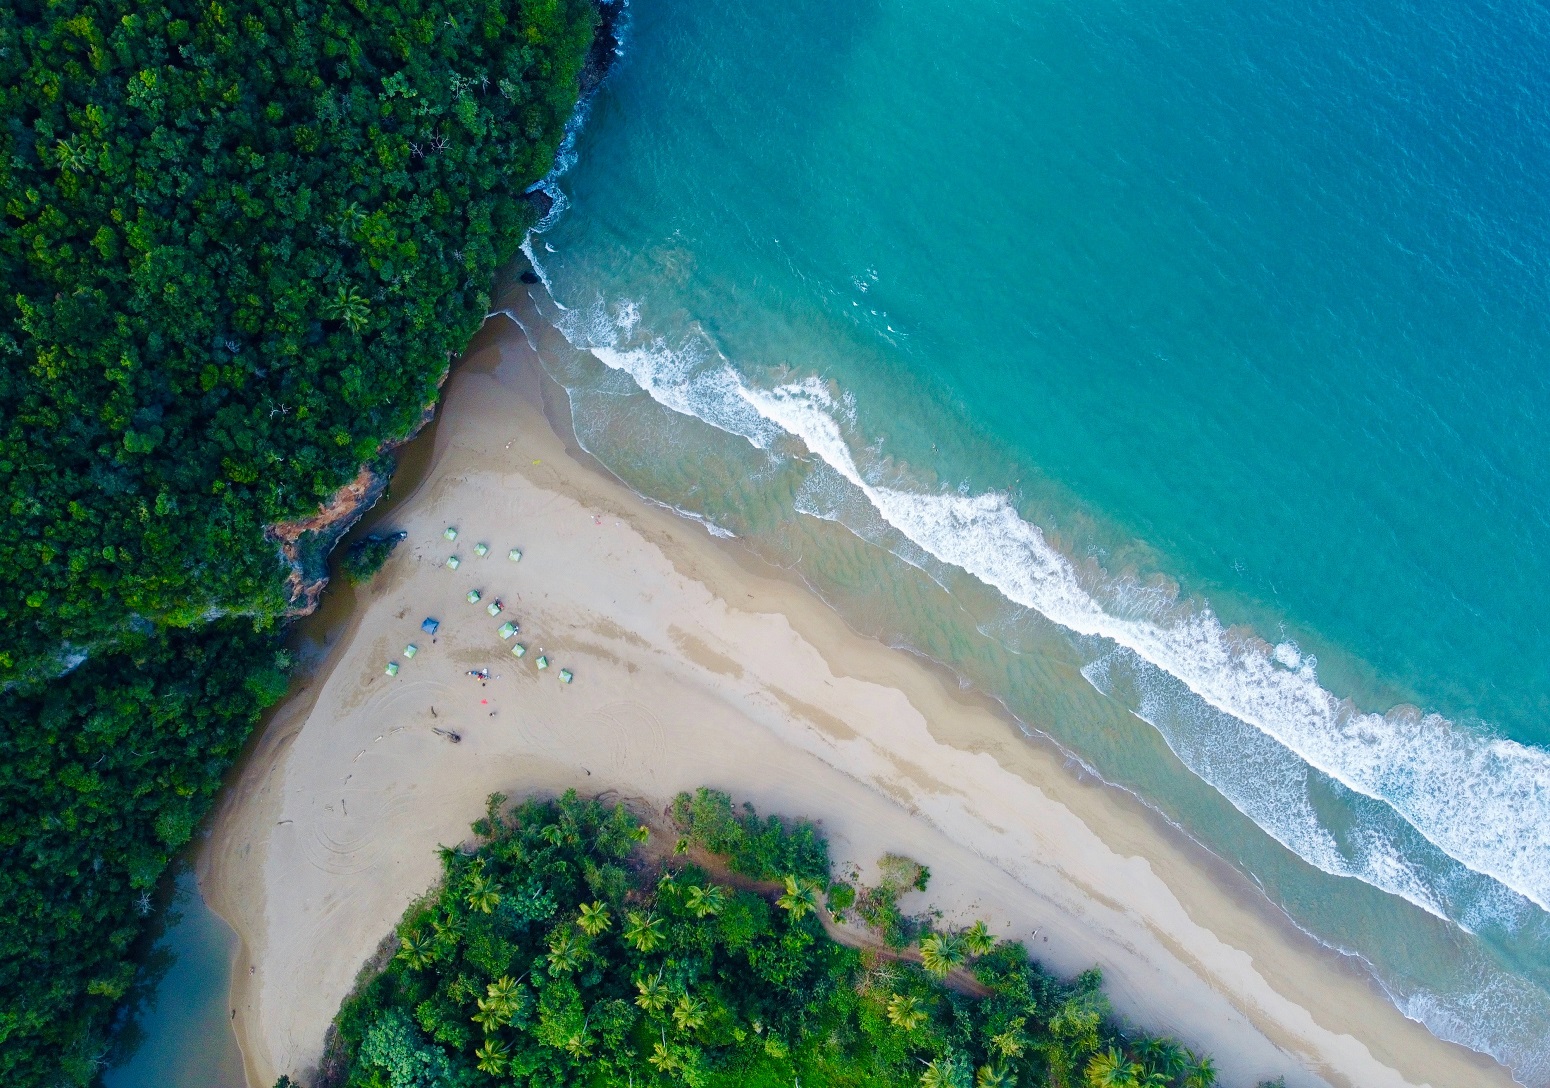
{"x": 694, "y": 667}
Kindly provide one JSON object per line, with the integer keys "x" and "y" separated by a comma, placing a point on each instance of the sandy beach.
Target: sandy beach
{"x": 694, "y": 665}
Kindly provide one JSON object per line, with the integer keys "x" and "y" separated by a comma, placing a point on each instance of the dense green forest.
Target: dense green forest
{"x": 365, "y": 557}
{"x": 565, "y": 951}
{"x": 103, "y": 776}
{"x": 240, "y": 241}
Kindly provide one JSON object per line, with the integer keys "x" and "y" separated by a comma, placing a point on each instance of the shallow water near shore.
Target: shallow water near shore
{"x": 179, "y": 1034}
{"x": 1165, "y": 373}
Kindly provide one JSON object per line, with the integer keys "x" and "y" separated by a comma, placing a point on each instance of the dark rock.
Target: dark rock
{"x": 540, "y": 201}
{"x": 305, "y": 544}
{"x": 605, "y": 45}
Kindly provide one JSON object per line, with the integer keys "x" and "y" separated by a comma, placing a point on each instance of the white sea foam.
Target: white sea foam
{"x": 538, "y": 269}
{"x": 1484, "y": 801}
{"x": 564, "y": 159}
{"x": 691, "y": 378}
{"x": 1478, "y": 1014}
{"x": 718, "y": 531}
{"x": 1267, "y": 782}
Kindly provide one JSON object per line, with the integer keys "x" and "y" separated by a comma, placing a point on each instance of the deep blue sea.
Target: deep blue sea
{"x": 1177, "y": 372}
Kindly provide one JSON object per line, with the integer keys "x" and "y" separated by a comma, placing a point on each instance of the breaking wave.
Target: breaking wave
{"x": 1445, "y": 804}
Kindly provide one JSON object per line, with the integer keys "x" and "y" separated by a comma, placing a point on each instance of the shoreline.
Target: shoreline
{"x": 694, "y": 666}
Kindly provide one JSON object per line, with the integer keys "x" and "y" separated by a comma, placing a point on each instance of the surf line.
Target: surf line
{"x": 1484, "y": 802}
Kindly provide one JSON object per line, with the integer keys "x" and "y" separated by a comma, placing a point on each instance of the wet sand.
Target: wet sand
{"x": 695, "y": 666}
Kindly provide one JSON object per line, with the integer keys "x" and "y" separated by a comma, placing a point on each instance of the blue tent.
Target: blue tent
{"x": 430, "y": 625}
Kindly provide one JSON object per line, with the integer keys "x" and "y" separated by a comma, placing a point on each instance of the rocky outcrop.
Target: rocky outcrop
{"x": 601, "y": 58}
{"x": 541, "y": 203}
{"x": 605, "y": 45}
{"x": 305, "y": 544}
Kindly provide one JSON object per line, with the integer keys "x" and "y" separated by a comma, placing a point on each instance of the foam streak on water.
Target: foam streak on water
{"x": 1381, "y": 849}
{"x": 1483, "y": 801}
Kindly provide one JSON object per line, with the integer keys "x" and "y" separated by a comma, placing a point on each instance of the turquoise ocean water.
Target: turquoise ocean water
{"x": 1175, "y": 372}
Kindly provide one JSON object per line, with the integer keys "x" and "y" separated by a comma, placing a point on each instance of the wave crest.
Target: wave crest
{"x": 1483, "y": 800}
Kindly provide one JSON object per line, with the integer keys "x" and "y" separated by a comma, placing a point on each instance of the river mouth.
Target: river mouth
{"x": 176, "y": 1030}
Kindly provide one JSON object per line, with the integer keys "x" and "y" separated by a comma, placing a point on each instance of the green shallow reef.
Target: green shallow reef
{"x": 572, "y": 947}
{"x": 240, "y": 242}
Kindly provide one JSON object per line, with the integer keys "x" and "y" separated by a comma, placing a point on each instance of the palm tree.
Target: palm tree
{"x": 349, "y": 306}
{"x": 643, "y": 931}
{"x": 945, "y": 1072}
{"x": 506, "y": 990}
{"x": 940, "y": 953}
{"x": 706, "y": 901}
{"x": 565, "y": 952}
{"x": 977, "y": 939}
{"x": 482, "y": 895}
{"x": 905, "y": 1012}
{"x": 1011, "y": 1043}
{"x": 492, "y": 1015}
{"x": 993, "y": 1076}
{"x": 493, "y": 1057}
{"x": 641, "y": 833}
{"x": 579, "y": 1044}
{"x": 594, "y": 918}
{"x": 69, "y": 156}
{"x": 352, "y": 218}
{"x": 1161, "y": 1056}
{"x": 446, "y": 930}
{"x": 417, "y": 949}
{"x": 1111, "y": 1069}
{"x": 801, "y": 897}
{"x": 663, "y": 1059}
{"x": 1202, "y": 1072}
{"x": 689, "y": 1013}
{"x": 654, "y": 994}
